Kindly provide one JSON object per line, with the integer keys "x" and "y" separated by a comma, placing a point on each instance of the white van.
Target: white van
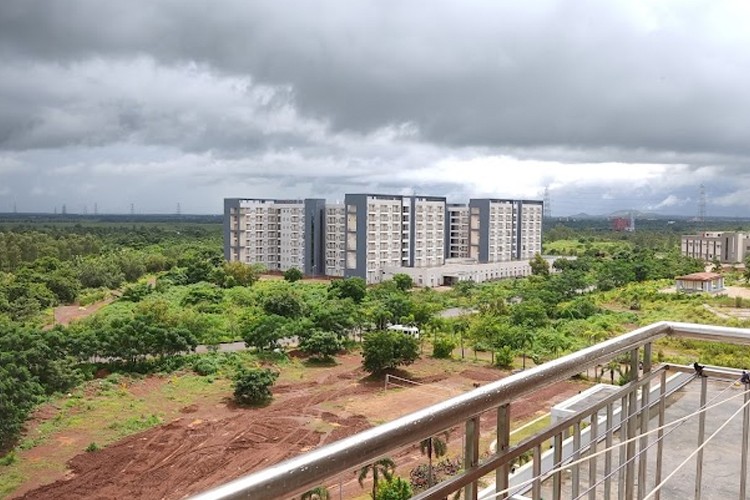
{"x": 408, "y": 330}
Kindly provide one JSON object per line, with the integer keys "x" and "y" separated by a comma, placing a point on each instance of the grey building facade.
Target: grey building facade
{"x": 279, "y": 234}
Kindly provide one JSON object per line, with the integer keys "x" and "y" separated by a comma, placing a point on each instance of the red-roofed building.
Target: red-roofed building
{"x": 700, "y": 282}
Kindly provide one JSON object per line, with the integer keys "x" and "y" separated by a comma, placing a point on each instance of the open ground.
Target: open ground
{"x": 205, "y": 440}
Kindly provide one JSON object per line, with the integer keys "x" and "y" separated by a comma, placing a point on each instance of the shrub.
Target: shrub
{"x": 394, "y": 489}
{"x": 9, "y": 459}
{"x": 322, "y": 345}
{"x": 443, "y": 348}
{"x": 293, "y": 274}
{"x": 253, "y": 386}
{"x": 92, "y": 447}
{"x": 206, "y": 365}
{"x": 504, "y": 357}
{"x": 387, "y": 349}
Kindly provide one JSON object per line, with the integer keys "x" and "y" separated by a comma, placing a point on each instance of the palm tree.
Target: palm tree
{"x": 437, "y": 446}
{"x": 318, "y": 493}
{"x": 385, "y": 467}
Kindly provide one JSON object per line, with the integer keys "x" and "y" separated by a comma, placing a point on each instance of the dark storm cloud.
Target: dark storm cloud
{"x": 325, "y": 96}
{"x": 585, "y": 74}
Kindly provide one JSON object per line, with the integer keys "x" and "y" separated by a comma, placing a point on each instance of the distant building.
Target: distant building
{"x": 457, "y": 237}
{"x": 279, "y": 234}
{"x": 700, "y": 282}
{"x": 374, "y": 236}
{"x": 727, "y": 247}
{"x": 620, "y": 224}
{"x": 504, "y": 230}
{"x": 335, "y": 239}
{"x": 393, "y": 231}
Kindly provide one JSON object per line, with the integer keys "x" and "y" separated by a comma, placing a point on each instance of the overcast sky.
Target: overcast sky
{"x": 613, "y": 105}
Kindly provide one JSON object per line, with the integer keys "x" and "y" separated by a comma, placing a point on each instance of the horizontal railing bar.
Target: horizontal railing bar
{"x": 710, "y": 371}
{"x": 311, "y": 469}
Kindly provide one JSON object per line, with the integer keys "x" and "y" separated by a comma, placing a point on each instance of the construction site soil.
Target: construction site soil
{"x": 210, "y": 444}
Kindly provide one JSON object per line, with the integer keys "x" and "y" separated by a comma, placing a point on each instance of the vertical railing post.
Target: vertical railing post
{"x": 575, "y": 472}
{"x": 608, "y": 454}
{"x": 645, "y": 401}
{"x": 701, "y": 437}
{"x": 594, "y": 437}
{"x": 536, "y": 487}
{"x": 623, "y": 436}
{"x": 503, "y": 442}
{"x": 471, "y": 455}
{"x": 745, "y": 435}
{"x": 660, "y": 434}
{"x": 631, "y": 427}
{"x": 557, "y": 463}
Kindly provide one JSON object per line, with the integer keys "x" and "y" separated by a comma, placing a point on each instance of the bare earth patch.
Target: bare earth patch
{"x": 209, "y": 442}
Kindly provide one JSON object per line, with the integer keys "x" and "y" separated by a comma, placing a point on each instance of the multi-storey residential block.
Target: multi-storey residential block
{"x": 335, "y": 239}
{"x": 280, "y": 234}
{"x": 504, "y": 230}
{"x": 527, "y": 230}
{"x": 727, "y": 247}
{"x": 373, "y": 236}
{"x": 390, "y": 230}
{"x": 425, "y": 245}
{"x": 457, "y": 237}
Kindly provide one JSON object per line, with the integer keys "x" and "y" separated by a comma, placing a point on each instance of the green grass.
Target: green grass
{"x": 10, "y": 479}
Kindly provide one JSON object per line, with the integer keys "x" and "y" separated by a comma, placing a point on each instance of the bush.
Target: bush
{"x": 293, "y": 274}
{"x": 504, "y": 357}
{"x": 92, "y": 447}
{"x": 206, "y": 365}
{"x": 253, "y": 386}
{"x": 322, "y": 345}
{"x": 9, "y": 459}
{"x": 403, "y": 281}
{"x": 443, "y": 348}
{"x": 394, "y": 489}
{"x": 387, "y": 349}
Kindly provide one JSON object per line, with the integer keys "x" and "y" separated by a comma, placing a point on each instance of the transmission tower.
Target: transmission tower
{"x": 547, "y": 204}
{"x": 179, "y": 210}
{"x": 702, "y": 206}
{"x": 96, "y": 208}
{"x": 132, "y": 209}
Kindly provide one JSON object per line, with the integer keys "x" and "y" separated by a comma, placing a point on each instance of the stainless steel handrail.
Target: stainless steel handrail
{"x": 306, "y": 471}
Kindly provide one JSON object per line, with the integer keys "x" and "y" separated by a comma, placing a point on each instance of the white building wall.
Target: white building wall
{"x": 429, "y": 232}
{"x": 291, "y": 234}
{"x": 458, "y": 232}
{"x": 501, "y": 239}
{"x": 384, "y": 235}
{"x": 335, "y": 234}
{"x": 530, "y": 222}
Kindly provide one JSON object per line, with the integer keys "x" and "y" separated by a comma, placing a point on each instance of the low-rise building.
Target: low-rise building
{"x": 726, "y": 246}
{"x": 700, "y": 282}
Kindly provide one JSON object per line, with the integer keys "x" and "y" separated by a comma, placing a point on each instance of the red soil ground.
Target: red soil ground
{"x": 64, "y": 315}
{"x": 214, "y": 443}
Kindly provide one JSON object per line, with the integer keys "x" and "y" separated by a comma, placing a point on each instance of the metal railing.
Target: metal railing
{"x": 306, "y": 471}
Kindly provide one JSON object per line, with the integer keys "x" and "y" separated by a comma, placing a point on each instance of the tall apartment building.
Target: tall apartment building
{"x": 728, "y": 247}
{"x": 335, "y": 239}
{"x": 457, "y": 238}
{"x": 504, "y": 230}
{"x": 392, "y": 231}
{"x": 280, "y": 234}
{"x": 371, "y": 233}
